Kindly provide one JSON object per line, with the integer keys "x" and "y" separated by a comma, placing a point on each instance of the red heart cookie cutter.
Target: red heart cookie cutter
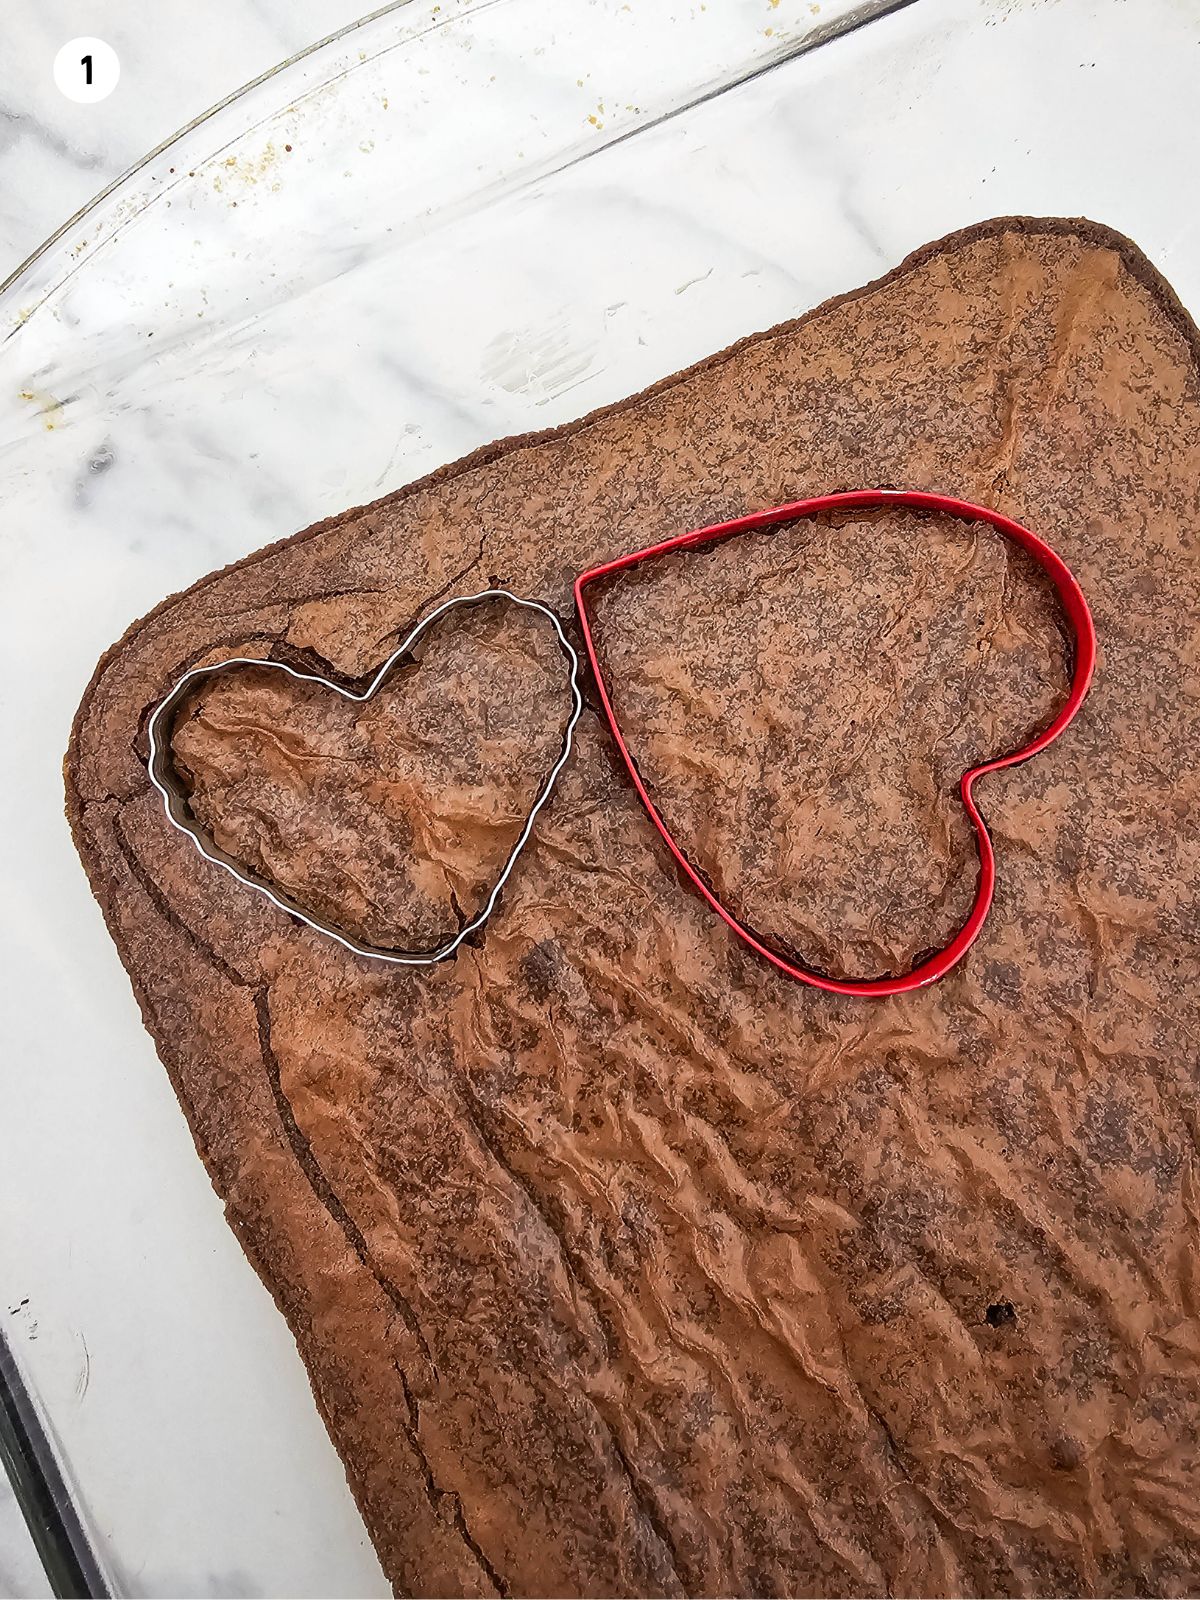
{"x": 1078, "y": 614}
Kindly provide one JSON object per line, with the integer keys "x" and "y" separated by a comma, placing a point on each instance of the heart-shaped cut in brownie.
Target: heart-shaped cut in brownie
{"x": 177, "y": 796}
{"x": 1078, "y": 615}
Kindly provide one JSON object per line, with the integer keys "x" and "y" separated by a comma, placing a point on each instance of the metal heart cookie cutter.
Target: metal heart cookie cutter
{"x": 175, "y": 798}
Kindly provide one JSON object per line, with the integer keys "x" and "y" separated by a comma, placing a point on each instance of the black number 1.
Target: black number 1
{"x": 86, "y": 62}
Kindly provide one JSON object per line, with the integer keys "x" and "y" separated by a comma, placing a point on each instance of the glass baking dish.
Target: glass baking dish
{"x": 451, "y": 223}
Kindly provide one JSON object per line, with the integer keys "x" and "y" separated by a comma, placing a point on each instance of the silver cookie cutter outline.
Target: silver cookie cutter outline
{"x": 174, "y": 799}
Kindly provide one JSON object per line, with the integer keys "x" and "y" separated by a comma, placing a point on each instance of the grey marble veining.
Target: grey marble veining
{"x": 55, "y": 155}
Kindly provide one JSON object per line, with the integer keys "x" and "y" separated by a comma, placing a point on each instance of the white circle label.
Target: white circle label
{"x": 86, "y": 70}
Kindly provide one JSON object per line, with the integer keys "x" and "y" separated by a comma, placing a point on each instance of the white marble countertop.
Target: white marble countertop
{"x": 177, "y": 60}
{"x": 458, "y": 222}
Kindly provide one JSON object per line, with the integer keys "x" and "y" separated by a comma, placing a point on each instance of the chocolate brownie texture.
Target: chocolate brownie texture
{"x": 621, "y": 1265}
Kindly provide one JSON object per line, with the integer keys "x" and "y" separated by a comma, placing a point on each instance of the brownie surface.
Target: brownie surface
{"x": 619, "y": 1264}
